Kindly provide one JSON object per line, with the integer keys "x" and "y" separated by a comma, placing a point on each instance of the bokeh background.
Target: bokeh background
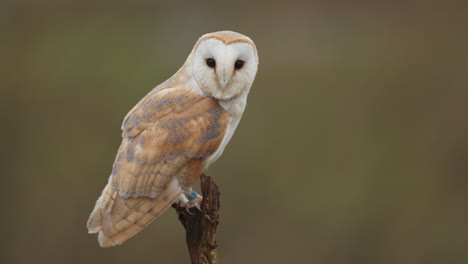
{"x": 353, "y": 148}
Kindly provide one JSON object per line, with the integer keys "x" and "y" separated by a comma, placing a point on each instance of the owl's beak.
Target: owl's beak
{"x": 225, "y": 75}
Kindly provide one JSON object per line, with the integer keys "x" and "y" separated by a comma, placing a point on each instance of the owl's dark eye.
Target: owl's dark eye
{"x": 211, "y": 63}
{"x": 239, "y": 64}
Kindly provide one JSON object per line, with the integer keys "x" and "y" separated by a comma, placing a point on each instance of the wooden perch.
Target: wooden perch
{"x": 200, "y": 226}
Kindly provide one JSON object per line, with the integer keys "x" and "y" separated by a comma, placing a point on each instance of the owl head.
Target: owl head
{"x": 224, "y": 64}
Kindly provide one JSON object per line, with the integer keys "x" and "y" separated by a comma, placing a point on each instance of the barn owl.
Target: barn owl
{"x": 173, "y": 134}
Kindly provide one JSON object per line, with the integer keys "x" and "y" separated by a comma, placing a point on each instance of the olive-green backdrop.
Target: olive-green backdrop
{"x": 353, "y": 147}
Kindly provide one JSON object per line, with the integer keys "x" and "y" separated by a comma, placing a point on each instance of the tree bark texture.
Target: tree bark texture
{"x": 200, "y": 225}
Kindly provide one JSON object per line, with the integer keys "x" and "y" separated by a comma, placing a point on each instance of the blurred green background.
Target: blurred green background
{"x": 353, "y": 148}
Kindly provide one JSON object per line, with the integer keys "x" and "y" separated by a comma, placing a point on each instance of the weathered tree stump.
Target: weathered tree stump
{"x": 200, "y": 225}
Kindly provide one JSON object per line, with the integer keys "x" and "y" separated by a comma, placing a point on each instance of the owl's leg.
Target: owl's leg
{"x": 183, "y": 201}
{"x": 193, "y": 199}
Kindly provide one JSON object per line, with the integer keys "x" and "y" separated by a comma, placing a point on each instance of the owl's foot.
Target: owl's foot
{"x": 192, "y": 200}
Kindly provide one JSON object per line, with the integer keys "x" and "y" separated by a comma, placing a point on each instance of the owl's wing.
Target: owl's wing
{"x": 166, "y": 138}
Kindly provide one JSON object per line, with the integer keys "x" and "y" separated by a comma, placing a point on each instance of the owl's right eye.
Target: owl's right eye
{"x": 211, "y": 63}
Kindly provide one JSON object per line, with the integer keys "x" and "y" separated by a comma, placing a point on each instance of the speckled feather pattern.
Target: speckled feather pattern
{"x": 168, "y": 136}
{"x": 162, "y": 137}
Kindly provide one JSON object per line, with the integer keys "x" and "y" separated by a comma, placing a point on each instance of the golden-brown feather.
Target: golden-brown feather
{"x": 166, "y": 138}
{"x": 161, "y": 137}
{"x": 227, "y": 37}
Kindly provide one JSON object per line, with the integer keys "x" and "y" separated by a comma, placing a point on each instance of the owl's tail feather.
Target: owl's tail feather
{"x": 117, "y": 219}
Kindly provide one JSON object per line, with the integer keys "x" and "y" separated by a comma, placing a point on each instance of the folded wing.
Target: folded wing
{"x": 166, "y": 139}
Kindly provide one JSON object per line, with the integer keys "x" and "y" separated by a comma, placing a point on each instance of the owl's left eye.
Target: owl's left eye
{"x": 211, "y": 63}
{"x": 239, "y": 64}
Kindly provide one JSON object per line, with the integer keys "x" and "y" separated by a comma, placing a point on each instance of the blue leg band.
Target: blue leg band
{"x": 192, "y": 196}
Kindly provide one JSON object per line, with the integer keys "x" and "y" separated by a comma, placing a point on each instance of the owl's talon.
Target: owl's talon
{"x": 187, "y": 209}
{"x": 195, "y": 204}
